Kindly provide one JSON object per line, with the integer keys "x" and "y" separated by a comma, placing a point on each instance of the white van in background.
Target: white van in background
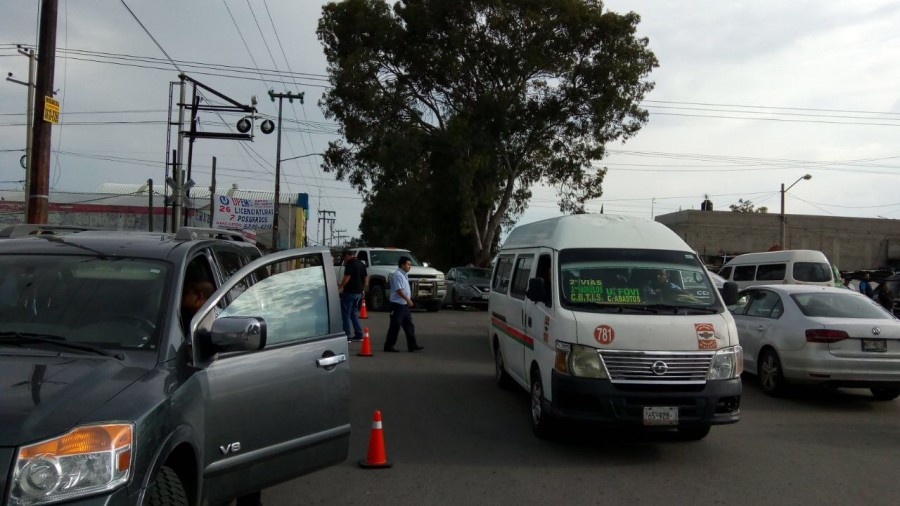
{"x": 613, "y": 320}
{"x": 789, "y": 267}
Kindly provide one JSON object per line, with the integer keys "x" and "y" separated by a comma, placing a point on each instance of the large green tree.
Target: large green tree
{"x": 460, "y": 107}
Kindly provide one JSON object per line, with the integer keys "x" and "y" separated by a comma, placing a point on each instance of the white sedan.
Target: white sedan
{"x": 805, "y": 334}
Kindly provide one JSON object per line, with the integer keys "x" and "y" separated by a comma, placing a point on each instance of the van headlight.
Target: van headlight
{"x": 727, "y": 363}
{"x": 580, "y": 361}
{"x": 86, "y": 460}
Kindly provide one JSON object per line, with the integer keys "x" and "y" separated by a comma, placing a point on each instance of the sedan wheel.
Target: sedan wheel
{"x": 771, "y": 376}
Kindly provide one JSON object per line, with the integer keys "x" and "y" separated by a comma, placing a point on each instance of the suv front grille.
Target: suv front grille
{"x": 646, "y": 367}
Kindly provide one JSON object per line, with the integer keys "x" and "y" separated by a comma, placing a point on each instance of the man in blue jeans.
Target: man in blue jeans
{"x": 353, "y": 286}
{"x": 401, "y": 302}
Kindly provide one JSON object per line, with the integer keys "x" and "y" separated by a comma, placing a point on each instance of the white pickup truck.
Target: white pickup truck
{"x": 427, "y": 284}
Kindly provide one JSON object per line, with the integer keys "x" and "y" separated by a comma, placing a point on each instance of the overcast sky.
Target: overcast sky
{"x": 749, "y": 95}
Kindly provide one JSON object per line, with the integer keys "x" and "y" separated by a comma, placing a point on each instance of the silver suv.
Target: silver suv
{"x": 112, "y": 395}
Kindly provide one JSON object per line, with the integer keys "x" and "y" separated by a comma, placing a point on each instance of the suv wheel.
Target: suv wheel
{"x": 378, "y": 299}
{"x": 166, "y": 489}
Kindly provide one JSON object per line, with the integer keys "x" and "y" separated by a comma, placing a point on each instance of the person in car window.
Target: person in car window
{"x": 193, "y": 296}
{"x": 401, "y": 302}
{"x": 660, "y": 287}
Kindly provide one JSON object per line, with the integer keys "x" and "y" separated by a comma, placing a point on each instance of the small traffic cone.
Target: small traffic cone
{"x": 376, "y": 457}
{"x": 362, "y": 310}
{"x": 366, "y": 349}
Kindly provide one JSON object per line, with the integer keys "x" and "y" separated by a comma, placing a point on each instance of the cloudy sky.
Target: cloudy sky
{"x": 749, "y": 95}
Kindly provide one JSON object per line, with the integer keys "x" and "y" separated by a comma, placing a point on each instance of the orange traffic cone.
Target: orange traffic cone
{"x": 366, "y": 349}
{"x": 362, "y": 310}
{"x": 376, "y": 457}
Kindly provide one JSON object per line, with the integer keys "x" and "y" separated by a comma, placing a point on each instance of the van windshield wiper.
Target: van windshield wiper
{"x": 20, "y": 337}
{"x": 673, "y": 308}
{"x": 616, "y": 308}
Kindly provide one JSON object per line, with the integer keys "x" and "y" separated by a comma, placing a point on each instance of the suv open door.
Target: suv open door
{"x": 273, "y": 356}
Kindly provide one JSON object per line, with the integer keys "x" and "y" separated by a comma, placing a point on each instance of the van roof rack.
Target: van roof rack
{"x": 194, "y": 233}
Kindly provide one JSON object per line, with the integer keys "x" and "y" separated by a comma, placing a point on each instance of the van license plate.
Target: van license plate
{"x": 655, "y": 415}
{"x": 876, "y": 345}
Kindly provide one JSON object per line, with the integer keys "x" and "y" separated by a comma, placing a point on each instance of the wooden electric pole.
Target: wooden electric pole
{"x": 38, "y": 196}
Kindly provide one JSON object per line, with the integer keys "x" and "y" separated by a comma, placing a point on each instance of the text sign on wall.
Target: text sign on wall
{"x": 239, "y": 214}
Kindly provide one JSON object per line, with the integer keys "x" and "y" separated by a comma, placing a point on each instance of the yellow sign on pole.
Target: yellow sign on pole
{"x": 51, "y": 110}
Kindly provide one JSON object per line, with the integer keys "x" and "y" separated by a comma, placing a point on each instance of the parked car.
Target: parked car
{"x": 808, "y": 334}
{"x": 112, "y": 393}
{"x": 468, "y": 286}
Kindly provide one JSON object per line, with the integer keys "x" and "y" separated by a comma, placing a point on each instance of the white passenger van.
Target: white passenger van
{"x": 788, "y": 267}
{"x": 613, "y": 320}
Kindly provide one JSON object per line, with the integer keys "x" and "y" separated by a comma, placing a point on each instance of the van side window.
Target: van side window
{"x": 520, "y": 276}
{"x": 771, "y": 272}
{"x": 744, "y": 272}
{"x": 502, "y": 274}
{"x": 725, "y": 272}
{"x": 544, "y": 272}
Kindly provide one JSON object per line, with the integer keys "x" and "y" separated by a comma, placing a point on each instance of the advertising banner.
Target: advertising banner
{"x": 243, "y": 214}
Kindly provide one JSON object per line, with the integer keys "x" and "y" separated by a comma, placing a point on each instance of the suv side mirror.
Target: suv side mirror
{"x": 238, "y": 334}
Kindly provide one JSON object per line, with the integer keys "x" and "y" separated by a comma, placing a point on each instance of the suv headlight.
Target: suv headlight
{"x": 440, "y": 276}
{"x": 727, "y": 363}
{"x": 580, "y": 361}
{"x": 86, "y": 460}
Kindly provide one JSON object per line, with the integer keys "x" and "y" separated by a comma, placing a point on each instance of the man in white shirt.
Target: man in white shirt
{"x": 401, "y": 302}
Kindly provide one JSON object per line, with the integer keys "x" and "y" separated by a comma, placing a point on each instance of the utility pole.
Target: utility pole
{"x": 323, "y": 218}
{"x": 280, "y": 96}
{"x": 37, "y": 197}
{"x": 29, "y": 108}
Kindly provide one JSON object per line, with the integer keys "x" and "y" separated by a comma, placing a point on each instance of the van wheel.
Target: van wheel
{"x": 770, "y": 373}
{"x": 501, "y": 377}
{"x": 885, "y": 393}
{"x": 166, "y": 489}
{"x": 541, "y": 421}
{"x": 693, "y": 433}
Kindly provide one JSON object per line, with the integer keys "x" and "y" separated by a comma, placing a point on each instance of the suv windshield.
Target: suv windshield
{"x": 105, "y": 302}
{"x": 638, "y": 278}
{"x": 390, "y": 257}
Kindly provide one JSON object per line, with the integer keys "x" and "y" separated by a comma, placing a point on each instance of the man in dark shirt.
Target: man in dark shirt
{"x": 353, "y": 286}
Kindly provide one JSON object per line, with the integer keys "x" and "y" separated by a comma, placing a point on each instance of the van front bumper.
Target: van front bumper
{"x": 601, "y": 401}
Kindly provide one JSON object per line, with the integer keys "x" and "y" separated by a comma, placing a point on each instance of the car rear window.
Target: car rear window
{"x": 812, "y": 272}
{"x": 839, "y": 305}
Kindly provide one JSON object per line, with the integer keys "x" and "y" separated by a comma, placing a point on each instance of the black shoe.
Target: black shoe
{"x": 417, "y": 348}
{"x": 355, "y": 339}
{"x": 391, "y": 350}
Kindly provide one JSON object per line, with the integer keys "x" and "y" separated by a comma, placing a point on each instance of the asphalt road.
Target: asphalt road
{"x": 455, "y": 438}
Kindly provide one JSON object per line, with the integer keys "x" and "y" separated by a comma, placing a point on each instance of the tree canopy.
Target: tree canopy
{"x": 746, "y": 206}
{"x": 451, "y": 110}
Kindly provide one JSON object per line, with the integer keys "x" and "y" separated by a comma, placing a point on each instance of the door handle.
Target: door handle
{"x": 331, "y": 361}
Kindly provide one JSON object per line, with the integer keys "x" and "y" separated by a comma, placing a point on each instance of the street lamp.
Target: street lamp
{"x": 783, "y": 191}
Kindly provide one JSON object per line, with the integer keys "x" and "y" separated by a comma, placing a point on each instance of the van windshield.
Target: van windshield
{"x": 617, "y": 277}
